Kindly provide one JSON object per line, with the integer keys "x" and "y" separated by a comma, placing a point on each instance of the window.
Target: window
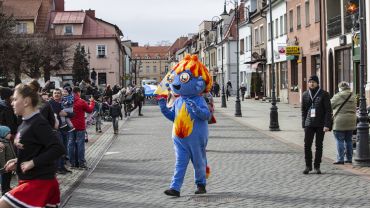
{"x": 276, "y": 28}
{"x": 285, "y": 24}
{"x": 247, "y": 43}
{"x": 294, "y": 75}
{"x": 68, "y": 30}
{"x": 241, "y": 46}
{"x": 147, "y": 69}
{"x": 269, "y": 31}
{"x": 166, "y": 69}
{"x": 250, "y": 43}
{"x": 101, "y": 51}
{"x": 298, "y": 17}
{"x": 291, "y": 21}
{"x": 281, "y": 26}
{"x": 256, "y": 37}
{"x": 283, "y": 75}
{"x": 262, "y": 35}
{"x": 102, "y": 78}
{"x": 21, "y": 28}
{"x": 307, "y": 10}
{"x": 154, "y": 69}
{"x": 219, "y": 54}
{"x": 317, "y": 10}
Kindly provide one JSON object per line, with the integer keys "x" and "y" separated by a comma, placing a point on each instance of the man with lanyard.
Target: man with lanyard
{"x": 316, "y": 120}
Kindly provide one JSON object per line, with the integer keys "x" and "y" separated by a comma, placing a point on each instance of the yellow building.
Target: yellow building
{"x": 150, "y": 62}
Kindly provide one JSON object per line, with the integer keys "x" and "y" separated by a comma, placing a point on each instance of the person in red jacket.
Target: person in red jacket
{"x": 77, "y": 137}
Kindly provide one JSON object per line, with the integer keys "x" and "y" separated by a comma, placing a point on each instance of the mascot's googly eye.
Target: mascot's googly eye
{"x": 184, "y": 77}
{"x": 170, "y": 78}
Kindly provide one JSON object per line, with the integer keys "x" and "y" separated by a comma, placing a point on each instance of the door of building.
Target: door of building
{"x": 304, "y": 74}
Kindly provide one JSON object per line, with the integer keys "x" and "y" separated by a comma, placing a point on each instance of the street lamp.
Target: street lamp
{"x": 274, "y": 121}
{"x": 223, "y": 96}
{"x": 362, "y": 156}
{"x": 238, "y": 112}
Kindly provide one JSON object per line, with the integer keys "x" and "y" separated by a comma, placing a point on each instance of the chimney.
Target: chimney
{"x": 90, "y": 13}
{"x": 59, "y": 5}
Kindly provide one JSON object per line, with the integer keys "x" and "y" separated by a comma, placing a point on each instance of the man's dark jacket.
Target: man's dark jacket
{"x": 322, "y": 107}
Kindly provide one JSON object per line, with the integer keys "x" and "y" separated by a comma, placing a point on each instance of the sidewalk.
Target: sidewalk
{"x": 94, "y": 151}
{"x": 256, "y": 114}
{"x": 248, "y": 169}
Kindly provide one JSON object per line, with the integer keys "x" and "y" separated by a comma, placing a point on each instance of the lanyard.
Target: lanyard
{"x": 313, "y": 98}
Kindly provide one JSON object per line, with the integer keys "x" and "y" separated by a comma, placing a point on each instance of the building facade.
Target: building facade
{"x": 100, "y": 39}
{"x": 305, "y": 32}
{"x": 342, "y": 62}
{"x": 257, "y": 21}
{"x": 279, "y": 36}
{"x": 151, "y": 62}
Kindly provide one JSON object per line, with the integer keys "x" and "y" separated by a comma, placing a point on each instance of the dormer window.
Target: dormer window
{"x": 21, "y": 28}
{"x": 68, "y": 30}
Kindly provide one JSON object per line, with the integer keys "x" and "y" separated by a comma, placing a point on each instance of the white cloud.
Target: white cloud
{"x": 152, "y": 20}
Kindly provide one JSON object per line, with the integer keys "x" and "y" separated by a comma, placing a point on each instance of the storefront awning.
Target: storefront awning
{"x": 254, "y": 66}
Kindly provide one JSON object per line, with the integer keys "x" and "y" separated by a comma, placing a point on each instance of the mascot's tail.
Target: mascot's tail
{"x": 208, "y": 171}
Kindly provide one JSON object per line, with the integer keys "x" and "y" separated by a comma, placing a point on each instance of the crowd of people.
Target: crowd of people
{"x": 63, "y": 115}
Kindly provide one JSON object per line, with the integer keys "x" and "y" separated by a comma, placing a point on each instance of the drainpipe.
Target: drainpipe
{"x": 321, "y": 43}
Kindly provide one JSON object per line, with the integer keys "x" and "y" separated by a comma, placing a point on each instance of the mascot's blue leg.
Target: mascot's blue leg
{"x": 199, "y": 160}
{"x": 182, "y": 161}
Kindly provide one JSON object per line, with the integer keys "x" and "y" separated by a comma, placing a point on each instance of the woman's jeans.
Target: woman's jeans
{"x": 344, "y": 145}
{"x": 115, "y": 123}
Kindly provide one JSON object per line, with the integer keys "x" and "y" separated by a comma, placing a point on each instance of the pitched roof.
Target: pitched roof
{"x": 22, "y": 9}
{"x": 151, "y": 52}
{"x": 96, "y": 28}
{"x": 70, "y": 17}
{"x": 179, "y": 43}
{"x": 92, "y": 27}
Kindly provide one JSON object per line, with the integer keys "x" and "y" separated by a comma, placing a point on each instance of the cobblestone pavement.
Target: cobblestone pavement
{"x": 248, "y": 169}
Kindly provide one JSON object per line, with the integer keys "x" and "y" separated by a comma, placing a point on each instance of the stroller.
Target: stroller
{"x": 105, "y": 112}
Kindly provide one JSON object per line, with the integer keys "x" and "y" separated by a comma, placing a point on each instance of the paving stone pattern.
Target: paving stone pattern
{"x": 248, "y": 169}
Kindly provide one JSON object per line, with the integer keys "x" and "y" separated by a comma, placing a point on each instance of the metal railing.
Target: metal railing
{"x": 350, "y": 21}
{"x": 334, "y": 26}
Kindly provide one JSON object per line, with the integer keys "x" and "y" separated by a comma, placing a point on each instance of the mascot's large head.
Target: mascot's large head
{"x": 189, "y": 77}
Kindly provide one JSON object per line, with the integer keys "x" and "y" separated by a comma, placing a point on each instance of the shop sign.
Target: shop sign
{"x": 292, "y": 51}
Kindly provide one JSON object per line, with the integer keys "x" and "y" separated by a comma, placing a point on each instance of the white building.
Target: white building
{"x": 245, "y": 43}
{"x": 279, "y": 24}
{"x": 226, "y": 50}
{"x": 342, "y": 63}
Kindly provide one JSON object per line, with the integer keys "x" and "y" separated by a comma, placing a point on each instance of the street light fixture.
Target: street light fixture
{"x": 274, "y": 121}
{"x": 362, "y": 156}
{"x": 238, "y": 112}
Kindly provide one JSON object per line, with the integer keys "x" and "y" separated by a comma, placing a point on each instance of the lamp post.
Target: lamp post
{"x": 362, "y": 156}
{"x": 238, "y": 112}
{"x": 274, "y": 122}
{"x": 223, "y": 96}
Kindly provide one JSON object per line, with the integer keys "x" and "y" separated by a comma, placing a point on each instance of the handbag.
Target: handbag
{"x": 336, "y": 113}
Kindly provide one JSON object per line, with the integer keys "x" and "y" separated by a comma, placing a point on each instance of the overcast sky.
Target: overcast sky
{"x": 152, "y": 21}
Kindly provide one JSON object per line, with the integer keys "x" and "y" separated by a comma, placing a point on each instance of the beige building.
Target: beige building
{"x": 100, "y": 39}
{"x": 31, "y": 15}
{"x": 150, "y": 62}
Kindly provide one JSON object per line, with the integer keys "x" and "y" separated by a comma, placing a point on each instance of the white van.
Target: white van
{"x": 148, "y": 82}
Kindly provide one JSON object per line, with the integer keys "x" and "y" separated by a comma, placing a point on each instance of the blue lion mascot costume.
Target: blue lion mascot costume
{"x": 190, "y": 115}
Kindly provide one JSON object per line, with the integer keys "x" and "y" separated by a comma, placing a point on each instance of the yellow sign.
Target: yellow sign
{"x": 292, "y": 51}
